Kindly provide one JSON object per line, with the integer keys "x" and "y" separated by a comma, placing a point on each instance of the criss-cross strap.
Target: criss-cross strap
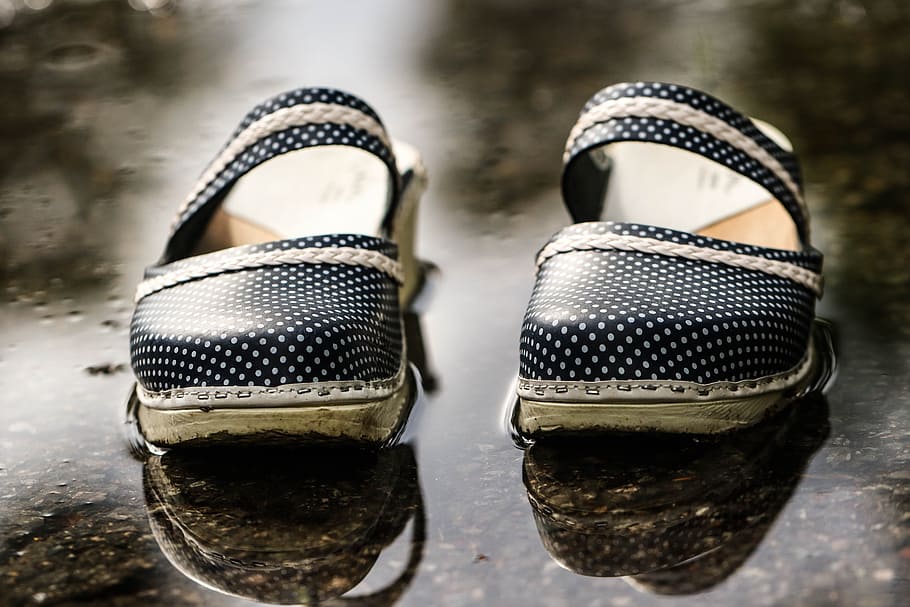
{"x": 298, "y": 119}
{"x": 680, "y": 117}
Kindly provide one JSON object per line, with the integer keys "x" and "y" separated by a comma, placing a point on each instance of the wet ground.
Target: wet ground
{"x": 108, "y": 113}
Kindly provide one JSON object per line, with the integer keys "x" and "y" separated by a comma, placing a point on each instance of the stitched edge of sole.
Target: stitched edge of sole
{"x": 288, "y": 395}
{"x": 656, "y": 391}
{"x": 644, "y": 411}
{"x": 376, "y": 421}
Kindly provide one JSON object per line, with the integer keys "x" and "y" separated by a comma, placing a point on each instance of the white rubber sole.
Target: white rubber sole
{"x": 377, "y": 421}
{"x": 536, "y": 418}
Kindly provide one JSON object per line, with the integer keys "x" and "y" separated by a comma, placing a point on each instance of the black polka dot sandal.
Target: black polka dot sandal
{"x": 683, "y": 299}
{"x": 275, "y": 311}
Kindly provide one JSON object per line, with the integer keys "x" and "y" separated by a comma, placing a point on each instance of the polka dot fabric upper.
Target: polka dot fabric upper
{"x": 621, "y": 315}
{"x": 271, "y": 326}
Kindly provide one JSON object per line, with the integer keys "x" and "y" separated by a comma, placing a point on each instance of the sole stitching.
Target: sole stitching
{"x": 533, "y": 387}
{"x": 373, "y": 389}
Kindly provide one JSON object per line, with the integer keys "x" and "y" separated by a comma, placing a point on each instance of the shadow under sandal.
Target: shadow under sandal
{"x": 683, "y": 300}
{"x": 275, "y": 311}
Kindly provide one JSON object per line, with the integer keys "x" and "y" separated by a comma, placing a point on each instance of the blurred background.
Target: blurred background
{"x": 109, "y": 109}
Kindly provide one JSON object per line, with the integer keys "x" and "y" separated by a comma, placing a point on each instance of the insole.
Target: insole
{"x": 664, "y": 186}
{"x": 318, "y": 190}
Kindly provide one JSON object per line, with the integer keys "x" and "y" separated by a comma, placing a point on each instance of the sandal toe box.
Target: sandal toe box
{"x": 625, "y": 315}
{"x": 269, "y": 326}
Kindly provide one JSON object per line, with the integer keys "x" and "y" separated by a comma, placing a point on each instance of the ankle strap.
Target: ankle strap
{"x": 680, "y": 117}
{"x": 302, "y": 118}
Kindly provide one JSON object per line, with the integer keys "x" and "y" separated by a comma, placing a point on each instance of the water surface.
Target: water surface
{"x": 108, "y": 114}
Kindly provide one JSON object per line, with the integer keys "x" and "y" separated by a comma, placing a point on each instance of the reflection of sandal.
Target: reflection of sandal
{"x": 279, "y": 526}
{"x": 702, "y": 324}
{"x": 681, "y": 513}
{"x": 275, "y": 308}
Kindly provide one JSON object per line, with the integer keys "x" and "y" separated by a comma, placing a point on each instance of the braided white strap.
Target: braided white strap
{"x": 313, "y": 255}
{"x": 279, "y": 120}
{"x": 665, "y": 109}
{"x": 621, "y": 242}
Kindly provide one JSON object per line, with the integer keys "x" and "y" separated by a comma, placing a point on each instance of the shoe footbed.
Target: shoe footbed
{"x": 766, "y": 225}
{"x": 320, "y": 190}
{"x": 664, "y": 186}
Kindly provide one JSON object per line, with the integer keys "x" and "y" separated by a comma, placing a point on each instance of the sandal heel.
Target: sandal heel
{"x": 405, "y": 235}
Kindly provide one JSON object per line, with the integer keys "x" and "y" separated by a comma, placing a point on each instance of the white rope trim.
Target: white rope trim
{"x": 279, "y": 120}
{"x": 666, "y": 109}
{"x": 622, "y": 242}
{"x": 313, "y": 255}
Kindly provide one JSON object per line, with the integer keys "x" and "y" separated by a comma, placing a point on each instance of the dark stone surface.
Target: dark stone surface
{"x": 107, "y": 114}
